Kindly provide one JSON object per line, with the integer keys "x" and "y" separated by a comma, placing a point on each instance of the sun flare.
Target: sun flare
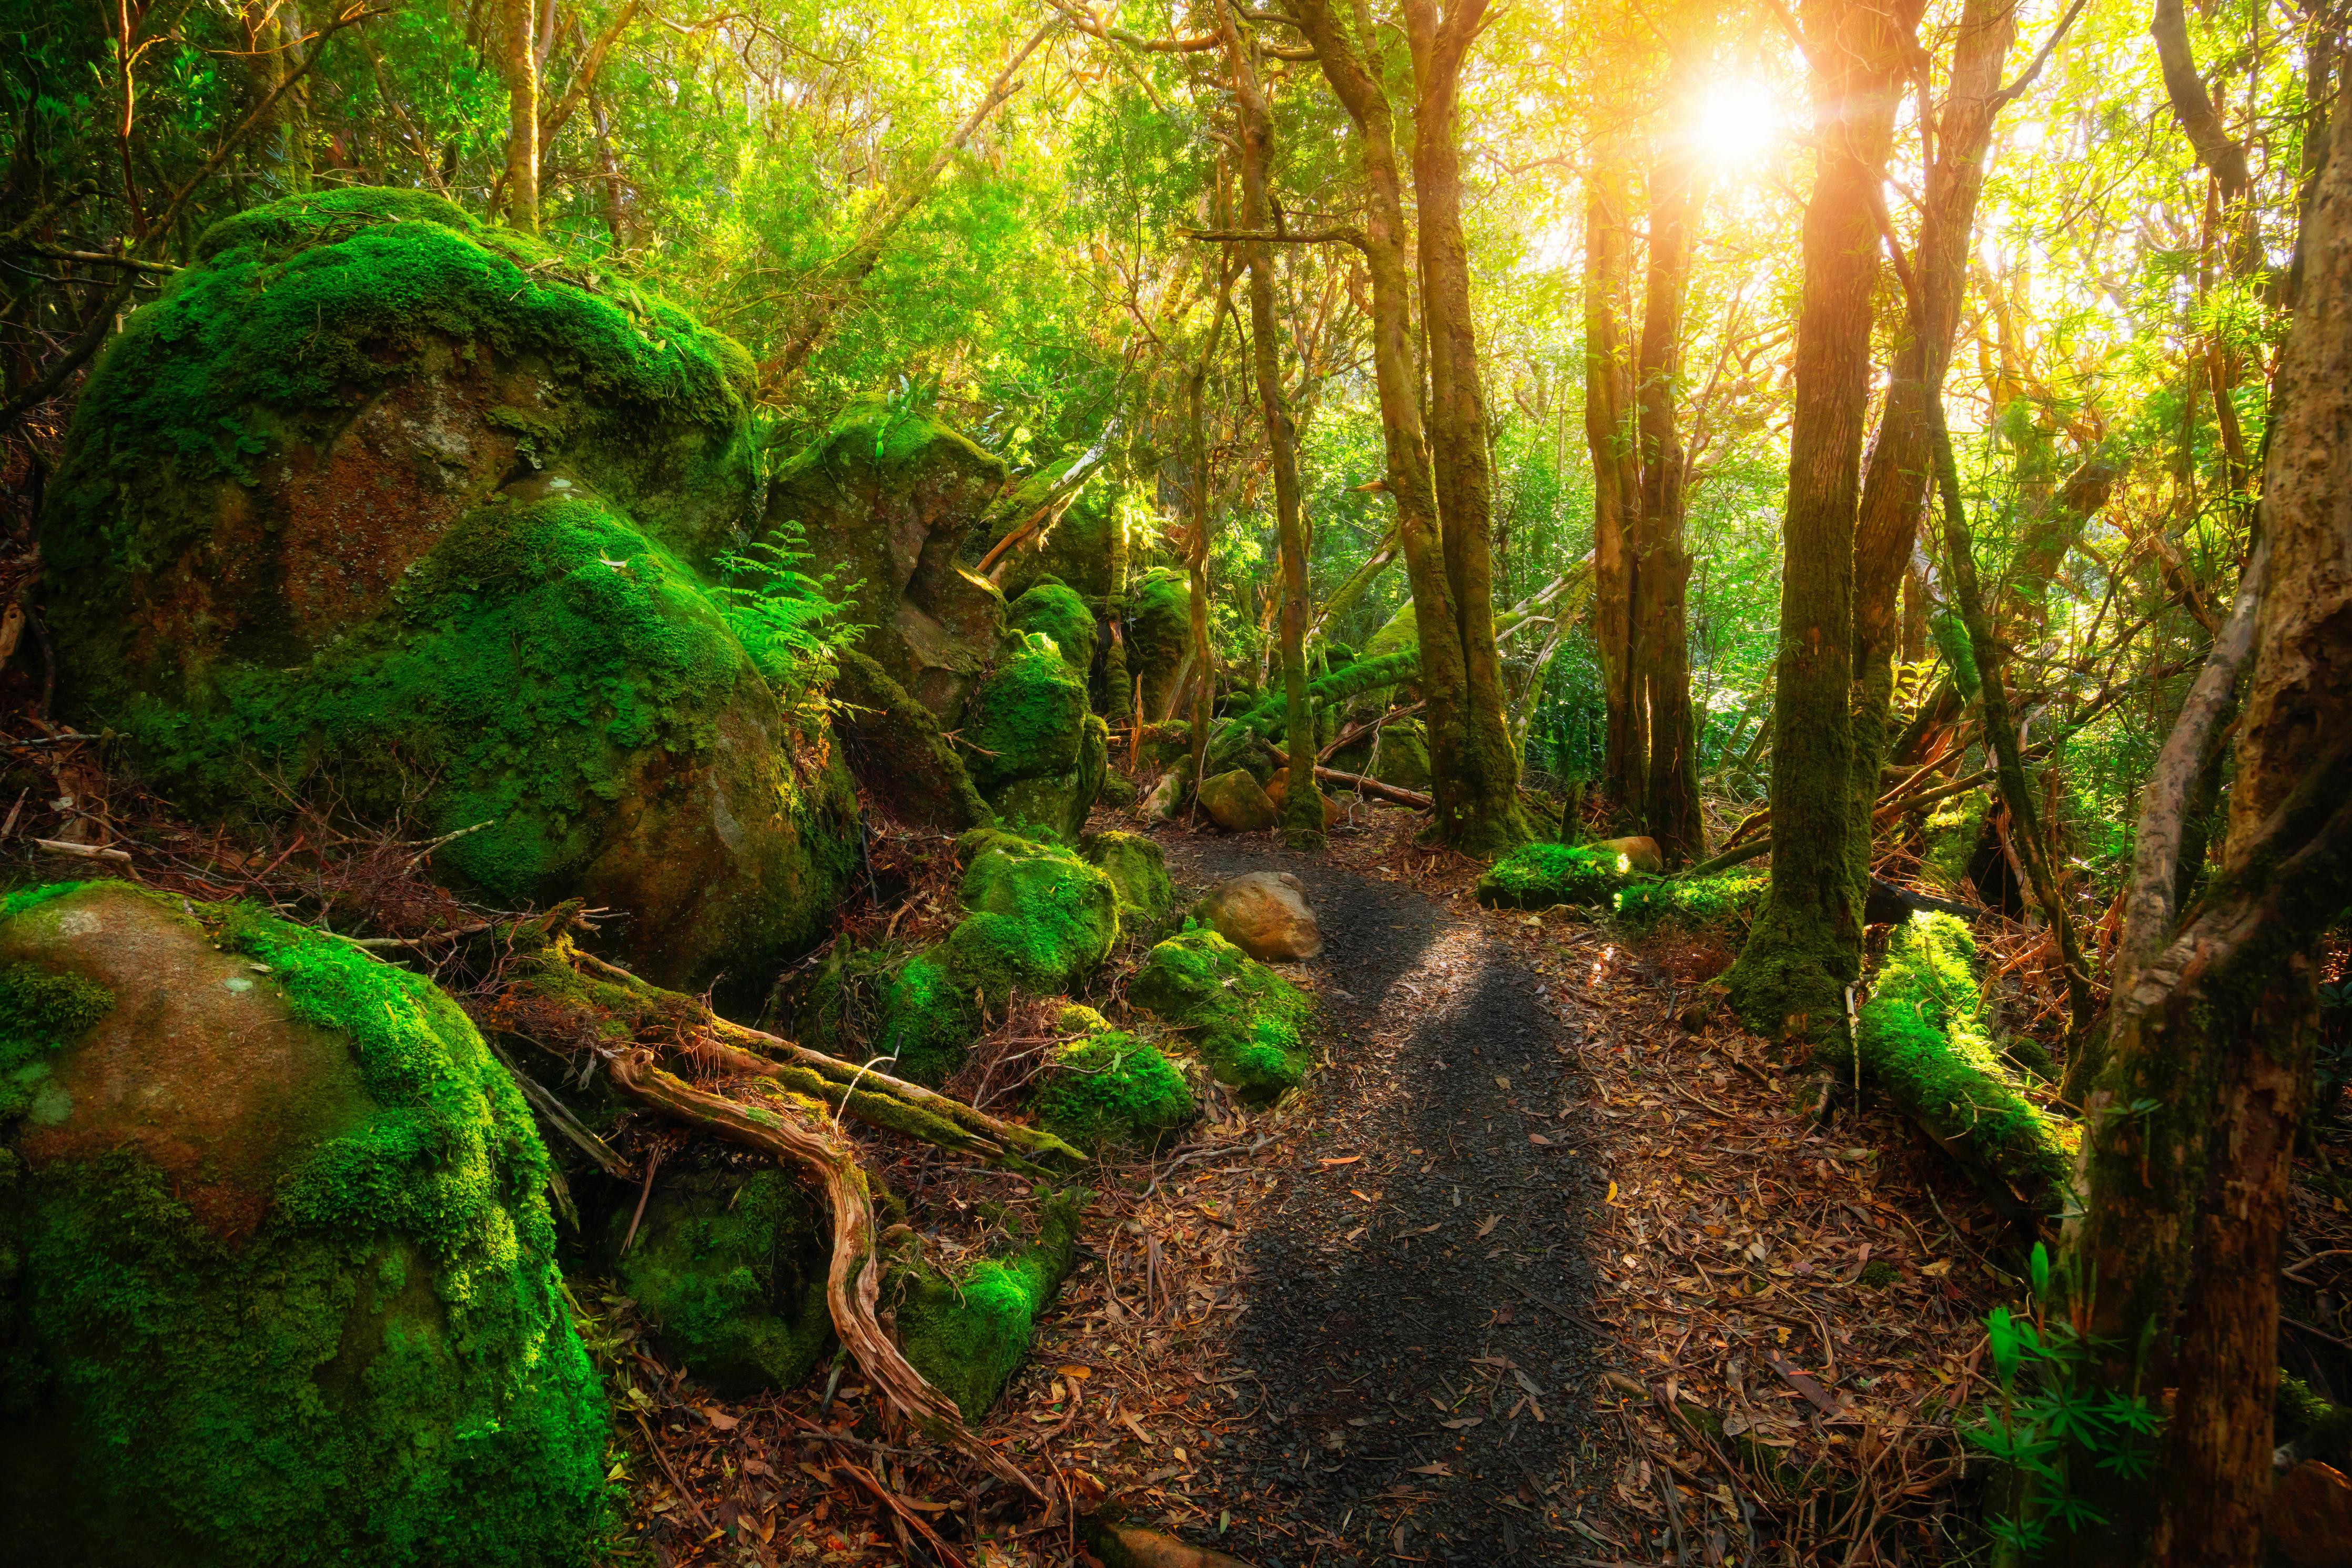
{"x": 1736, "y": 120}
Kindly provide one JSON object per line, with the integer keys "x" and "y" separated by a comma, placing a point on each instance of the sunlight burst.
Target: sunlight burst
{"x": 1736, "y": 120}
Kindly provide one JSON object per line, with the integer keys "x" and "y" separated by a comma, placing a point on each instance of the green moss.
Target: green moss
{"x": 1922, "y": 1043}
{"x": 901, "y": 760}
{"x": 547, "y": 665}
{"x": 731, "y": 1270}
{"x": 1050, "y": 610}
{"x": 927, "y": 1018}
{"x": 1040, "y": 919}
{"x": 1539, "y": 876}
{"x": 1137, "y": 869}
{"x": 1028, "y": 719}
{"x": 1246, "y": 1022}
{"x": 383, "y": 1371}
{"x": 40, "y": 1015}
{"x": 1233, "y": 743}
{"x": 1954, "y": 828}
{"x": 1726, "y": 903}
{"x": 967, "y": 1335}
{"x": 1878, "y": 1275}
{"x": 293, "y": 307}
{"x": 1112, "y": 1089}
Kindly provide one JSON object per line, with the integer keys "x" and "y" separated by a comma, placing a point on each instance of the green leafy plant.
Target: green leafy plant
{"x": 789, "y": 621}
{"x": 2053, "y": 1416}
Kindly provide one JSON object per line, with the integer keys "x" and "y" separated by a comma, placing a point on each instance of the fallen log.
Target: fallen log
{"x": 1364, "y": 785}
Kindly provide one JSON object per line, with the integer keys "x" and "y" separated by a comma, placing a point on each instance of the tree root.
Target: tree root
{"x": 566, "y": 1001}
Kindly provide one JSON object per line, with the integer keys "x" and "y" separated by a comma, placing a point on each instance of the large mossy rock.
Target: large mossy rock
{"x": 730, "y": 1268}
{"x": 968, "y": 1333}
{"x": 278, "y": 1280}
{"x": 1037, "y": 754}
{"x": 1053, "y": 609}
{"x": 380, "y": 500}
{"x": 1112, "y": 1089}
{"x": 1158, "y": 630}
{"x": 1137, "y": 869}
{"x": 895, "y": 750}
{"x": 886, "y": 500}
{"x": 1038, "y": 921}
{"x": 1247, "y": 1023}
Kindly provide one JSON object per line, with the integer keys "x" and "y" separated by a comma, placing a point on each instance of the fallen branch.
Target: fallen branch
{"x": 1373, "y": 787}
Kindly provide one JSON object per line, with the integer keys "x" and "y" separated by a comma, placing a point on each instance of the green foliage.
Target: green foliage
{"x": 1248, "y": 1022}
{"x": 384, "y": 1371}
{"x": 1543, "y": 876}
{"x": 1113, "y": 1089}
{"x": 789, "y": 623}
{"x": 1232, "y": 745}
{"x": 2054, "y": 1416}
{"x": 730, "y": 1270}
{"x": 1922, "y": 1043}
{"x": 967, "y": 1334}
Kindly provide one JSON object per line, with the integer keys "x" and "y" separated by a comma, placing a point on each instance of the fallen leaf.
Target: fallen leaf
{"x": 1538, "y": 1140}
{"x": 1501, "y": 1082}
{"x": 720, "y": 1419}
{"x": 1136, "y": 1427}
{"x": 1342, "y": 1160}
{"x": 1938, "y": 1270}
{"x": 1458, "y": 1426}
{"x": 1079, "y": 1372}
{"x": 1487, "y": 1226}
{"x": 1440, "y": 1468}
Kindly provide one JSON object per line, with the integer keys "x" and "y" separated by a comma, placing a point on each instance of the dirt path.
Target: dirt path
{"x": 1417, "y": 1311}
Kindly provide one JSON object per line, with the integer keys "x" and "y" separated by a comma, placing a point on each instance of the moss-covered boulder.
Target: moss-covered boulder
{"x": 280, "y": 1281}
{"x": 1398, "y": 753}
{"x": 1921, "y": 1041}
{"x": 1158, "y": 630}
{"x": 1137, "y": 869}
{"x": 380, "y": 494}
{"x": 1541, "y": 876}
{"x": 1083, "y": 546}
{"x": 1039, "y": 920}
{"x": 888, "y": 500}
{"x": 1725, "y": 905}
{"x": 730, "y": 1268}
{"x": 1051, "y": 609}
{"x": 1245, "y": 1021}
{"x": 1112, "y": 1089}
{"x": 902, "y": 763}
{"x": 967, "y": 1332}
{"x": 1237, "y": 803}
{"x": 1036, "y": 752}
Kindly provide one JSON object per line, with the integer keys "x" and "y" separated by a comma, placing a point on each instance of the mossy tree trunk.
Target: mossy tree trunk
{"x": 1477, "y": 773}
{"x": 1660, "y": 565}
{"x": 1357, "y": 69}
{"x": 1902, "y": 458}
{"x": 518, "y": 57}
{"x": 1608, "y": 410}
{"x": 1302, "y": 806}
{"x": 1196, "y": 554}
{"x": 2192, "y": 1120}
{"x": 1806, "y": 945}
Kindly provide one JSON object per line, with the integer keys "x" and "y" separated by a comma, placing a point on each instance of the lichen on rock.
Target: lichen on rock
{"x": 284, "y": 1286}
{"x": 1244, "y": 1020}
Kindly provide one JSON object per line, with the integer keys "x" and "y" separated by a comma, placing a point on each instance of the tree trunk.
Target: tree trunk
{"x": 2184, "y": 1199}
{"x": 1355, "y": 70}
{"x": 518, "y": 62}
{"x": 1806, "y": 944}
{"x": 1662, "y": 567}
{"x": 1902, "y": 459}
{"x": 1482, "y": 817}
{"x": 1196, "y": 555}
{"x": 1608, "y": 409}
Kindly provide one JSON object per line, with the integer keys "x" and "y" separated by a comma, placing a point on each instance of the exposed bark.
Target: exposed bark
{"x": 1302, "y": 806}
{"x": 1902, "y": 460}
{"x": 1196, "y": 555}
{"x": 517, "y": 58}
{"x": 1355, "y": 70}
{"x": 2186, "y": 1203}
{"x": 1660, "y": 565}
{"x": 1806, "y": 944}
{"x": 1607, "y": 412}
{"x": 1483, "y": 816}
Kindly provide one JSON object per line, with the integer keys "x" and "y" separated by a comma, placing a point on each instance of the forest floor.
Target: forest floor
{"x": 1436, "y": 1305}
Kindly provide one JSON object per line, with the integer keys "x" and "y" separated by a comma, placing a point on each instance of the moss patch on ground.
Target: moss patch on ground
{"x": 1922, "y": 1043}
{"x": 382, "y": 1369}
{"x": 730, "y": 1269}
{"x": 1113, "y": 1090}
{"x": 1248, "y": 1022}
{"x": 1726, "y": 903}
{"x": 1541, "y": 876}
{"x": 968, "y": 1333}
{"x": 1954, "y": 828}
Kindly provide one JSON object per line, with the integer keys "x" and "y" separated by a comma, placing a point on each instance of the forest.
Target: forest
{"x": 1186, "y": 783}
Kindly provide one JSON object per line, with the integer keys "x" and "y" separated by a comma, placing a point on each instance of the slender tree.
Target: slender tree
{"x": 1616, "y": 465}
{"x": 517, "y": 58}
